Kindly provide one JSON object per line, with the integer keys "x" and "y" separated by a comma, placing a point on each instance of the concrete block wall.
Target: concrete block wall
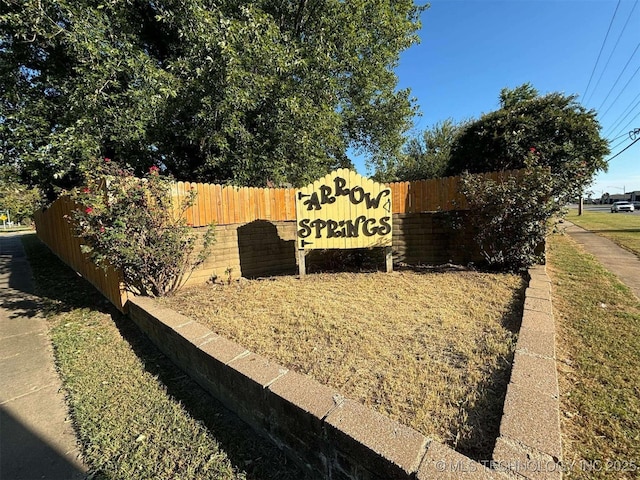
{"x": 432, "y": 239}
{"x": 330, "y": 436}
{"x": 255, "y": 249}
{"x": 530, "y": 443}
{"x": 264, "y": 248}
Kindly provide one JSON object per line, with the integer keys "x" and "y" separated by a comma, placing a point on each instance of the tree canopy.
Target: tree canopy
{"x": 551, "y": 130}
{"x": 242, "y": 92}
{"x": 424, "y": 156}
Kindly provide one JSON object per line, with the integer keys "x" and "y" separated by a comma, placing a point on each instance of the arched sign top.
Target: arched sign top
{"x": 343, "y": 210}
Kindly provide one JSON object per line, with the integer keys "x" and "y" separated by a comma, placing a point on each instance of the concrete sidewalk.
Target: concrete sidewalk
{"x": 622, "y": 263}
{"x": 36, "y": 438}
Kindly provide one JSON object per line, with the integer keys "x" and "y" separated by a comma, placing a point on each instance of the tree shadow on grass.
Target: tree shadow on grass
{"x": 485, "y": 415}
{"x": 247, "y": 450}
{"x": 59, "y": 289}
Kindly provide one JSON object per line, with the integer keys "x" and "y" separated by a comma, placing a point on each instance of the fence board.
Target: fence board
{"x": 226, "y": 204}
{"x": 209, "y": 205}
{"x": 56, "y": 231}
{"x": 227, "y": 200}
{"x": 290, "y": 204}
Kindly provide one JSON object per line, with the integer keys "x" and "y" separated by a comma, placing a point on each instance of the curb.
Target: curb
{"x": 334, "y": 437}
{"x": 530, "y": 443}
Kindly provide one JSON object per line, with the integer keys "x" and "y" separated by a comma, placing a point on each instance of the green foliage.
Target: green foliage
{"x": 133, "y": 225}
{"x": 512, "y": 216}
{"x": 562, "y": 134}
{"x": 20, "y": 200}
{"x": 249, "y": 93}
{"x": 425, "y": 156}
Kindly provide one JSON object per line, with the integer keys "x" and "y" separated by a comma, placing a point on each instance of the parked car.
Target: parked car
{"x": 636, "y": 205}
{"x": 622, "y": 207}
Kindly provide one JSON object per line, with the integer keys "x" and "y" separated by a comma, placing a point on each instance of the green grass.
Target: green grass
{"x": 622, "y": 228}
{"x": 136, "y": 415}
{"x": 14, "y": 228}
{"x": 598, "y": 353}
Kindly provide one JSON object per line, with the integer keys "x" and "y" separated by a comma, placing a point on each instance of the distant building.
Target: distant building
{"x": 628, "y": 196}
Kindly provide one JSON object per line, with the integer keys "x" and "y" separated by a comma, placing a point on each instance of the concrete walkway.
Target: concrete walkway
{"x": 622, "y": 263}
{"x": 37, "y": 440}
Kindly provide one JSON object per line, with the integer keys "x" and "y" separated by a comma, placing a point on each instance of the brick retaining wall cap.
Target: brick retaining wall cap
{"x": 388, "y": 448}
{"x": 530, "y": 441}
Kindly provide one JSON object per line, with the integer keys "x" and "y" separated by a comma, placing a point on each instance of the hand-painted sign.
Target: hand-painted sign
{"x": 344, "y": 210}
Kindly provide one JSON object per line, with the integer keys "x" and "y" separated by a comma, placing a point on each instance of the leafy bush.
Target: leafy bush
{"x": 18, "y": 199}
{"x": 133, "y": 225}
{"x": 513, "y": 215}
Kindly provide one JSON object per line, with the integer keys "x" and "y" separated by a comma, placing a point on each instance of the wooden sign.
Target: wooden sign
{"x": 343, "y": 210}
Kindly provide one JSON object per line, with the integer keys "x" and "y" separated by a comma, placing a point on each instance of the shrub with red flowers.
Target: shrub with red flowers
{"x": 512, "y": 217}
{"x": 132, "y": 224}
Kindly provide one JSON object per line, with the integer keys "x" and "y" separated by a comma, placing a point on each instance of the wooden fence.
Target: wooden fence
{"x": 229, "y": 205}
{"x": 55, "y": 231}
{"x": 226, "y": 205}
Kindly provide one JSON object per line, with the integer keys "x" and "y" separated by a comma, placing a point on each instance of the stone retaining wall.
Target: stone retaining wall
{"x": 336, "y": 438}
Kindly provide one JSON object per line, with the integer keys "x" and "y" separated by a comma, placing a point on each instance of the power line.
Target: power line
{"x": 632, "y": 136}
{"x": 601, "y": 48}
{"x": 627, "y": 111}
{"x": 624, "y": 149}
{"x": 631, "y": 121}
{"x": 619, "y": 76}
{"x": 621, "y": 91}
{"x": 619, "y": 143}
{"x": 618, "y": 137}
{"x": 612, "y": 51}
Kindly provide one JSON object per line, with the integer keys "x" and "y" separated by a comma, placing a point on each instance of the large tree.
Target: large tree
{"x": 551, "y": 130}
{"x": 426, "y": 155}
{"x": 226, "y": 91}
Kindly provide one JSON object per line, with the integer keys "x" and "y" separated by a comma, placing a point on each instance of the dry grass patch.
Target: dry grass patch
{"x": 431, "y": 350}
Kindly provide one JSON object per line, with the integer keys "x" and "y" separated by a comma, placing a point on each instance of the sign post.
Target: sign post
{"x": 344, "y": 210}
{"x": 3, "y": 217}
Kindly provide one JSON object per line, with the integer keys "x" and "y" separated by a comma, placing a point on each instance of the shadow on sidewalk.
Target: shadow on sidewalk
{"x": 28, "y": 456}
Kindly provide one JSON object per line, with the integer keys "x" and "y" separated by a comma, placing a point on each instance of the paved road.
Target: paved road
{"x": 36, "y": 439}
{"x": 600, "y": 208}
{"x": 622, "y": 263}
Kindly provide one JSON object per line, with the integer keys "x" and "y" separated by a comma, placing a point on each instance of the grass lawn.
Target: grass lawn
{"x": 432, "y": 350}
{"x": 598, "y": 350}
{"x": 136, "y": 415}
{"x": 622, "y": 228}
{"x": 14, "y": 228}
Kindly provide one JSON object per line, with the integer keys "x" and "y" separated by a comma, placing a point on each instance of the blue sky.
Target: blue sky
{"x": 470, "y": 50}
